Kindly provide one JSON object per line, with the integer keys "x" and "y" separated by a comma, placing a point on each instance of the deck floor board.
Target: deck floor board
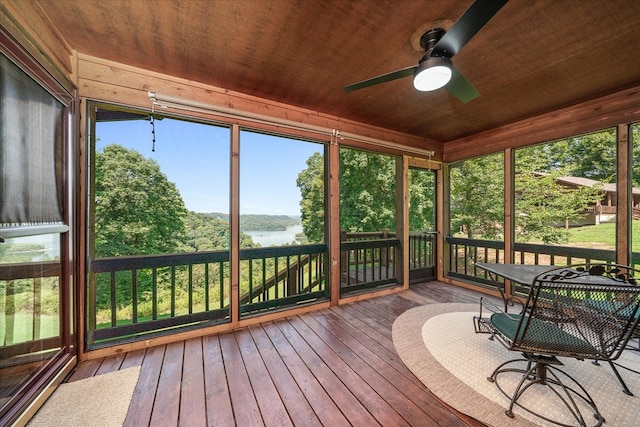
{"x": 332, "y": 367}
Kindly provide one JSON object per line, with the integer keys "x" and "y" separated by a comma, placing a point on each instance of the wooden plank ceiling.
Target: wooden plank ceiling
{"x": 533, "y": 57}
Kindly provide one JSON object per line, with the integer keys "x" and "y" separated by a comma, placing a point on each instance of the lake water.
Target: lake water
{"x": 49, "y": 247}
{"x": 275, "y": 238}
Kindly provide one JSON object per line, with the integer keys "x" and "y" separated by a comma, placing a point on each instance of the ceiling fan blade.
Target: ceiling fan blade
{"x": 471, "y": 21}
{"x": 460, "y": 87}
{"x": 394, "y": 75}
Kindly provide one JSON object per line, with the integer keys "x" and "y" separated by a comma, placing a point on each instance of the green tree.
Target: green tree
{"x": 635, "y": 166}
{"x": 367, "y": 191}
{"x": 421, "y": 200}
{"x": 590, "y": 156}
{"x": 137, "y": 210}
{"x": 543, "y": 207}
{"x": 367, "y": 194}
{"x": 208, "y": 232}
{"x": 311, "y": 184}
{"x": 477, "y": 197}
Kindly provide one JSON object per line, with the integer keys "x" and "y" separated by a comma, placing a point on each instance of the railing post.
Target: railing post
{"x": 344, "y": 256}
{"x": 292, "y": 280}
{"x": 10, "y": 312}
{"x": 384, "y": 254}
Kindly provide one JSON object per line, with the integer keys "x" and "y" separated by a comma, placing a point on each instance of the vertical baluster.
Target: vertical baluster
{"x": 190, "y": 288}
{"x": 134, "y": 294}
{"x": 309, "y": 268}
{"x": 451, "y": 257}
{"x": 10, "y": 311}
{"x": 363, "y": 258}
{"x": 154, "y": 293}
{"x": 173, "y": 291}
{"x": 250, "y": 261}
{"x": 466, "y": 256}
{"x": 348, "y": 267}
{"x": 206, "y": 286}
{"x": 221, "y": 273}
{"x": 264, "y": 279}
{"x": 277, "y": 287}
{"x": 113, "y": 298}
{"x": 300, "y": 271}
{"x": 37, "y": 307}
{"x": 378, "y": 256}
{"x": 286, "y": 290}
{"x": 475, "y": 257}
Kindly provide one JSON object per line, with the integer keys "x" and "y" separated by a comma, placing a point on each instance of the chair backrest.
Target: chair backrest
{"x": 586, "y": 312}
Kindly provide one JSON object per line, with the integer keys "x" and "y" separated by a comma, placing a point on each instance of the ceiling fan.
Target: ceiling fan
{"x": 435, "y": 69}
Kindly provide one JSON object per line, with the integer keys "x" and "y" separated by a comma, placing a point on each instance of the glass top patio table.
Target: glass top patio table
{"x": 520, "y": 273}
{"x": 526, "y": 274}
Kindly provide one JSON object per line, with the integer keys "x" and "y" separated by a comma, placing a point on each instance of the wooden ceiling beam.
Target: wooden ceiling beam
{"x": 598, "y": 114}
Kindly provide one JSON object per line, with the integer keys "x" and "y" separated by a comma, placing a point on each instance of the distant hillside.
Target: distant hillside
{"x": 259, "y": 222}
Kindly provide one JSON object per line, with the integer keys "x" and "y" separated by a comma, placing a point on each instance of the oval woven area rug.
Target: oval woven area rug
{"x": 438, "y": 344}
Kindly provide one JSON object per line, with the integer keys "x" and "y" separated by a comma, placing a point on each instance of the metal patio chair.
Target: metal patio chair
{"x": 579, "y": 312}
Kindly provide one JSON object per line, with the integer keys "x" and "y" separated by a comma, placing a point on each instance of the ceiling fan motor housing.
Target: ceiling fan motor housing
{"x": 429, "y": 40}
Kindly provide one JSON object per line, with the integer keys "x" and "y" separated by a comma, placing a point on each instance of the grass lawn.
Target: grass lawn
{"x": 603, "y": 235}
{"x": 22, "y": 327}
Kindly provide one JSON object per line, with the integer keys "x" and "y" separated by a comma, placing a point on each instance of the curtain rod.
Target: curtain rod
{"x": 167, "y": 101}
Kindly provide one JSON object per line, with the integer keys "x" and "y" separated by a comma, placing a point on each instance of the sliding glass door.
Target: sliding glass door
{"x": 36, "y": 295}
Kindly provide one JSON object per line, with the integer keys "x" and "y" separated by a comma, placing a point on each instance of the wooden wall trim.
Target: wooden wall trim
{"x": 605, "y": 112}
{"x": 108, "y": 81}
{"x": 29, "y": 25}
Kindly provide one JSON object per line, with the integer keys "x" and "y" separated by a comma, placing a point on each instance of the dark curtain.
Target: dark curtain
{"x": 31, "y": 150}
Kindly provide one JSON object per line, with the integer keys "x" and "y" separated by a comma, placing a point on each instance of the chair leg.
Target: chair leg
{"x": 540, "y": 371}
{"x": 625, "y": 389}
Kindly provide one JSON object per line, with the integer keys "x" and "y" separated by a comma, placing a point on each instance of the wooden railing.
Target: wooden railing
{"x": 464, "y": 253}
{"x": 282, "y": 276}
{"x": 367, "y": 264}
{"x": 134, "y": 296}
{"x": 368, "y": 258}
{"x": 611, "y": 210}
{"x": 27, "y": 276}
{"x": 155, "y": 294}
{"x": 422, "y": 253}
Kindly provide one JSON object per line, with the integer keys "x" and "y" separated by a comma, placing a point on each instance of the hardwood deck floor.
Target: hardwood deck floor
{"x": 333, "y": 367}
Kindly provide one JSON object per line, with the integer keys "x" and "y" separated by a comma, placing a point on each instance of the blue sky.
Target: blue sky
{"x": 195, "y": 157}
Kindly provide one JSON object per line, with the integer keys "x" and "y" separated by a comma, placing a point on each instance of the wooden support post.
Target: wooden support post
{"x": 625, "y": 197}
{"x": 509, "y": 225}
{"x": 442, "y": 220}
{"x": 234, "y": 224}
{"x": 333, "y": 224}
{"x": 401, "y": 261}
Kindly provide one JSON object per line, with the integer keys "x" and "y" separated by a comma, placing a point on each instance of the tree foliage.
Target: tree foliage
{"x": 367, "y": 194}
{"x": 543, "y": 206}
{"x": 367, "y": 191}
{"x": 421, "y": 200}
{"x": 477, "y": 197}
{"x": 137, "y": 209}
{"x": 635, "y": 166}
{"x": 311, "y": 184}
{"x": 590, "y": 156}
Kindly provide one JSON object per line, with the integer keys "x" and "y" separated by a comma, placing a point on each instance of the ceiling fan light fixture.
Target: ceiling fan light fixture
{"x": 432, "y": 73}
